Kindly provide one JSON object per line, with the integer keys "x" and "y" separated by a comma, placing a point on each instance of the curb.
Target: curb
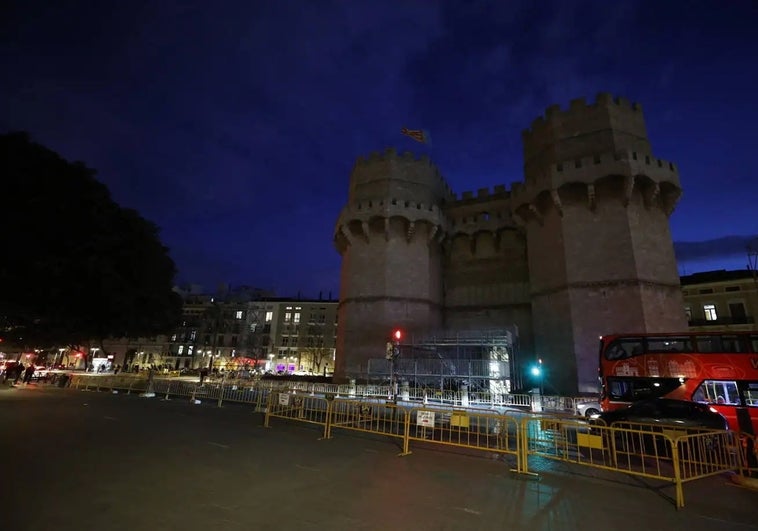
{"x": 742, "y": 481}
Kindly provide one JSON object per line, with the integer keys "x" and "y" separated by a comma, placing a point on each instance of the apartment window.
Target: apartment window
{"x": 732, "y": 288}
{"x": 193, "y": 335}
{"x": 737, "y": 310}
{"x": 189, "y": 350}
{"x": 269, "y": 316}
{"x": 287, "y": 317}
{"x": 234, "y": 341}
{"x": 181, "y": 349}
{"x": 705, "y": 291}
{"x": 285, "y": 341}
{"x": 710, "y": 312}
{"x": 688, "y": 313}
{"x": 238, "y": 315}
{"x": 297, "y": 317}
{"x": 220, "y": 341}
{"x": 173, "y": 337}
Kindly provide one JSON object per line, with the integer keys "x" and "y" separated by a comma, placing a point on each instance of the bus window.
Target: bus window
{"x": 717, "y": 392}
{"x": 733, "y": 344}
{"x": 708, "y": 343}
{"x": 631, "y": 389}
{"x": 730, "y": 344}
{"x": 751, "y": 394}
{"x": 754, "y": 343}
{"x": 622, "y": 349}
{"x": 669, "y": 344}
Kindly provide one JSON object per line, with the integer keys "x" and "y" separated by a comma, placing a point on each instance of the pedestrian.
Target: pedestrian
{"x": 19, "y": 371}
{"x": 28, "y": 374}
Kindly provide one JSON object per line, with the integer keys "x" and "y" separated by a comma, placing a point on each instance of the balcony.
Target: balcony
{"x": 723, "y": 321}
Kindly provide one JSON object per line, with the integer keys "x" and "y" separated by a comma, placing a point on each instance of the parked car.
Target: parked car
{"x": 658, "y": 415}
{"x": 40, "y": 372}
{"x": 588, "y": 409}
{"x": 668, "y": 412}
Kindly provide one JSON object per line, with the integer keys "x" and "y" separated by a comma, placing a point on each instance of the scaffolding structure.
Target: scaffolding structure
{"x": 482, "y": 359}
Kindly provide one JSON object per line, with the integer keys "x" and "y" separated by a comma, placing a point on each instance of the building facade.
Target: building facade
{"x": 721, "y": 300}
{"x": 581, "y": 247}
{"x": 279, "y": 335}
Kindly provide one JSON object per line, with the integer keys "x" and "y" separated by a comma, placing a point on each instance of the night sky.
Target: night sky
{"x": 234, "y": 125}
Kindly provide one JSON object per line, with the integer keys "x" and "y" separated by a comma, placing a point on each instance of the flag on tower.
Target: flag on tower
{"x": 418, "y": 135}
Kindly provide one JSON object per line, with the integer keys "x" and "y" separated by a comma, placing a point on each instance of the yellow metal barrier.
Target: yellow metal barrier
{"x": 466, "y": 429}
{"x": 298, "y": 407}
{"x": 637, "y": 452}
{"x": 666, "y": 453}
{"x": 708, "y": 454}
{"x": 379, "y": 417}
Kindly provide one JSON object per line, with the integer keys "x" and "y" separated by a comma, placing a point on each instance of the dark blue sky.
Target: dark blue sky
{"x": 234, "y": 125}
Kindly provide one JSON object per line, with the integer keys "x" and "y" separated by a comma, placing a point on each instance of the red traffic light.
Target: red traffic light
{"x": 397, "y": 334}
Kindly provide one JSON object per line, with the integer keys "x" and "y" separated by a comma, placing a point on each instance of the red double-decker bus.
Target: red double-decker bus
{"x": 715, "y": 368}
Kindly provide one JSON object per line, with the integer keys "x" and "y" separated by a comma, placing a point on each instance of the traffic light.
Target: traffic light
{"x": 397, "y": 334}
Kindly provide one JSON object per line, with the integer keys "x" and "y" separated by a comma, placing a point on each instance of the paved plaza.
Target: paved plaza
{"x": 75, "y": 460}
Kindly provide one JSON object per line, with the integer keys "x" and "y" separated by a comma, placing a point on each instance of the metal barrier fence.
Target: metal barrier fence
{"x": 378, "y": 417}
{"x": 670, "y": 454}
{"x": 465, "y": 429}
{"x": 299, "y": 407}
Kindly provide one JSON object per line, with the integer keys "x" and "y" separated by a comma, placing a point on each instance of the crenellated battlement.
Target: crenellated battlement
{"x": 580, "y": 109}
{"x": 499, "y": 191}
{"x": 391, "y": 154}
{"x": 607, "y": 124}
{"x": 404, "y": 174}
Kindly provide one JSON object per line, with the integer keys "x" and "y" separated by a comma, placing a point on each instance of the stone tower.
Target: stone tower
{"x": 595, "y": 204}
{"x": 389, "y": 235}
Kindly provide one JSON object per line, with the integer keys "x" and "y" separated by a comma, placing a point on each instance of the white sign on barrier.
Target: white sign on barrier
{"x": 425, "y": 418}
{"x": 284, "y": 399}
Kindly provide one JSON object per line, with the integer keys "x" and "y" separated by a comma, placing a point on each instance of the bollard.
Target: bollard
{"x": 221, "y": 390}
{"x": 168, "y": 389}
{"x": 351, "y": 388}
{"x": 405, "y": 392}
{"x": 464, "y": 394}
{"x": 536, "y": 401}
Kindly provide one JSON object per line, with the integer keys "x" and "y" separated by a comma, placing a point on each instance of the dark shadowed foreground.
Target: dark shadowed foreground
{"x": 76, "y": 460}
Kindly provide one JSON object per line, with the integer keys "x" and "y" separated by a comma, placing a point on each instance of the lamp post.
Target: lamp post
{"x": 538, "y": 373}
{"x": 542, "y": 377}
{"x": 393, "y": 351}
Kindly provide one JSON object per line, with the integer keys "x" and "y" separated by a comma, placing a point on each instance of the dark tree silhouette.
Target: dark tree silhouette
{"x": 75, "y": 265}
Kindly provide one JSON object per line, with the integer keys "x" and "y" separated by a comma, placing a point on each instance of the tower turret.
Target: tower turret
{"x": 595, "y": 204}
{"x": 389, "y": 237}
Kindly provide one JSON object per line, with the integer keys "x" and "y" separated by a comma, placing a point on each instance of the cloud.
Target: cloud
{"x": 726, "y": 246}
